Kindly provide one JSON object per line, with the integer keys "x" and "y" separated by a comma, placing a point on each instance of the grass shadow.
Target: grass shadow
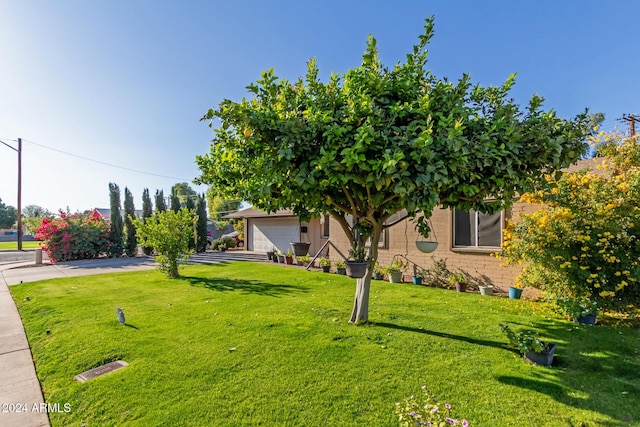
{"x": 485, "y": 343}
{"x": 244, "y": 286}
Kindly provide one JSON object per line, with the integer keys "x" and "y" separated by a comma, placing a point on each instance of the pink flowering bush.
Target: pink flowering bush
{"x": 430, "y": 412}
{"x": 73, "y": 236}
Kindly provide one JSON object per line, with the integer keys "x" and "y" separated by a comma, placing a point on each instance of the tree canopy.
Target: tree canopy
{"x": 376, "y": 140}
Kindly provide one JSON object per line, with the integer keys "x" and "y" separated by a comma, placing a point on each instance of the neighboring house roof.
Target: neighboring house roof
{"x": 257, "y": 213}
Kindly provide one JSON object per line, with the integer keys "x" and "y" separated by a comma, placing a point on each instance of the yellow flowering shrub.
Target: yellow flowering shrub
{"x": 583, "y": 242}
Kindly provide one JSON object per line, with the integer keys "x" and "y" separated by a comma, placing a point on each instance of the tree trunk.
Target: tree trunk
{"x": 360, "y": 313}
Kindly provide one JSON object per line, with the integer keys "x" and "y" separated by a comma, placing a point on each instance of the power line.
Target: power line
{"x": 104, "y": 163}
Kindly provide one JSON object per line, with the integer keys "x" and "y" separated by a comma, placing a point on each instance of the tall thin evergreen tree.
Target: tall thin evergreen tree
{"x": 116, "y": 234}
{"x": 161, "y": 206}
{"x": 201, "y": 225}
{"x": 147, "y": 212}
{"x": 131, "y": 245}
{"x": 175, "y": 203}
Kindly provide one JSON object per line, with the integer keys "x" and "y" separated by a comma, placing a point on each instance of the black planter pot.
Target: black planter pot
{"x": 270, "y": 255}
{"x": 356, "y": 269}
{"x": 300, "y": 248}
{"x": 544, "y": 358}
{"x": 587, "y": 319}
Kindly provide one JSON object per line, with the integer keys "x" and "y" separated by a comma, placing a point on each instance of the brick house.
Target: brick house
{"x": 465, "y": 239}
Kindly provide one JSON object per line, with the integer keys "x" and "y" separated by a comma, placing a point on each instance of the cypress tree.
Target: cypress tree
{"x": 161, "y": 206}
{"x": 147, "y": 212}
{"x": 201, "y": 225}
{"x": 131, "y": 248}
{"x": 116, "y": 235}
{"x": 175, "y": 203}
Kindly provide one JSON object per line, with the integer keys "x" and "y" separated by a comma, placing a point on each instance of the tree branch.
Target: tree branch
{"x": 345, "y": 226}
{"x": 351, "y": 202}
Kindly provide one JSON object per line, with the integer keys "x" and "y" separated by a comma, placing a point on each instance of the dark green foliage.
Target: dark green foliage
{"x": 116, "y": 233}
{"x": 161, "y": 206}
{"x": 201, "y": 225}
{"x": 147, "y": 211}
{"x": 131, "y": 248}
{"x": 8, "y": 215}
{"x": 190, "y": 204}
{"x": 175, "y": 203}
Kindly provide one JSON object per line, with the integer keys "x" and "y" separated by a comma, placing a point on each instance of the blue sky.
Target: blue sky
{"x": 126, "y": 82}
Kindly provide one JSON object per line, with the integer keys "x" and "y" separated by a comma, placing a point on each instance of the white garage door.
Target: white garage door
{"x": 273, "y": 232}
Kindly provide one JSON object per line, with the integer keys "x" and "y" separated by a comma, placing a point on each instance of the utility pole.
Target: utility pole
{"x": 632, "y": 119}
{"x": 19, "y": 213}
{"x": 19, "y": 194}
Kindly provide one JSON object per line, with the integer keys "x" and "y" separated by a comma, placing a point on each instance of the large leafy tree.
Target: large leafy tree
{"x": 8, "y": 215}
{"x": 32, "y": 216}
{"x": 184, "y": 192}
{"x": 377, "y": 141}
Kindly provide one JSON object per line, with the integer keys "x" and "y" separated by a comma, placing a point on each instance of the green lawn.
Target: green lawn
{"x": 13, "y": 246}
{"x": 253, "y": 344}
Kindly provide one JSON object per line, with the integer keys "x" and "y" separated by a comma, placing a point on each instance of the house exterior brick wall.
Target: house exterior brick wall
{"x": 400, "y": 240}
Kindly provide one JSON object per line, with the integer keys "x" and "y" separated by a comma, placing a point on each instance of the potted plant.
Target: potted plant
{"x": 275, "y": 255}
{"x": 424, "y": 228}
{"x": 529, "y": 344}
{"x": 340, "y": 267}
{"x": 270, "y": 254}
{"x": 584, "y": 311}
{"x": 300, "y": 248}
{"x": 486, "y": 290}
{"x": 460, "y": 281}
{"x": 356, "y": 265}
{"x": 378, "y": 272}
{"x": 394, "y": 271}
{"x": 325, "y": 264}
{"x": 304, "y": 259}
{"x": 515, "y": 291}
{"x": 288, "y": 257}
{"x": 418, "y": 274}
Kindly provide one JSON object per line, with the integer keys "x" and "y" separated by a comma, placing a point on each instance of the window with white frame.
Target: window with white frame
{"x": 473, "y": 229}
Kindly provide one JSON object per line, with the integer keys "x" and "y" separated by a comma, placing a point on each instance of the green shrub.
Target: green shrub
{"x": 224, "y": 243}
{"x": 168, "y": 232}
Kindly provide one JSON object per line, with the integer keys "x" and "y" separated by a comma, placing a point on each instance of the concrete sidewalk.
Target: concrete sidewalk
{"x": 20, "y": 392}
